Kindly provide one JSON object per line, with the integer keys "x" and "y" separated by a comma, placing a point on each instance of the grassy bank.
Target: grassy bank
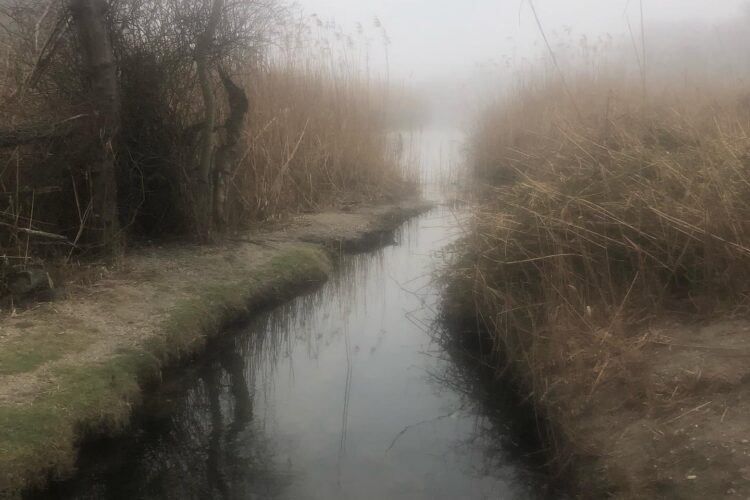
{"x": 605, "y": 213}
{"x": 160, "y": 307}
{"x": 41, "y": 435}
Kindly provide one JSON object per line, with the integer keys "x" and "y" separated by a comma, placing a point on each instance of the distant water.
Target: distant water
{"x": 438, "y": 153}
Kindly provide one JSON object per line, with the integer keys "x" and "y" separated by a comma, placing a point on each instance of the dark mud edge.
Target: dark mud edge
{"x": 553, "y": 456}
{"x": 100, "y": 399}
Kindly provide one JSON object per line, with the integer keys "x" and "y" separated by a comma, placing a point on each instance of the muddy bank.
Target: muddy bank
{"x": 665, "y": 418}
{"x": 76, "y": 366}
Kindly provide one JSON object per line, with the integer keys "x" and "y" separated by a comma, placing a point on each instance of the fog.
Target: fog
{"x": 454, "y": 50}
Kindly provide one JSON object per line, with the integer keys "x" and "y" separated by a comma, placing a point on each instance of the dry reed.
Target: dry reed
{"x": 316, "y": 133}
{"x": 599, "y": 211}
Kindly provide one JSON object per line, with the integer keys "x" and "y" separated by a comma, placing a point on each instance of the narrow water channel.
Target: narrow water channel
{"x": 341, "y": 394}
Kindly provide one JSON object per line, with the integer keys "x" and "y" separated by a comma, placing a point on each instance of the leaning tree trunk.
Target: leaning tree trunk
{"x": 228, "y": 154}
{"x": 204, "y": 192}
{"x": 99, "y": 63}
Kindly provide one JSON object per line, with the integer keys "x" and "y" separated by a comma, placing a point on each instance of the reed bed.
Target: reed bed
{"x": 315, "y": 135}
{"x": 602, "y": 211}
{"x": 318, "y": 136}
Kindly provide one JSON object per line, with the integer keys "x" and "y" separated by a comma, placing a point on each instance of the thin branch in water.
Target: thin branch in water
{"x": 428, "y": 421}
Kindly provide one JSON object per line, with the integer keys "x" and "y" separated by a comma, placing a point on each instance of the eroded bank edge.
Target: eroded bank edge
{"x": 40, "y": 440}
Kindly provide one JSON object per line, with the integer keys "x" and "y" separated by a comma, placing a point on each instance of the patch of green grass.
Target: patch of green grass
{"x": 41, "y": 437}
{"x": 301, "y": 260}
{"x": 41, "y": 343}
{"x": 192, "y": 321}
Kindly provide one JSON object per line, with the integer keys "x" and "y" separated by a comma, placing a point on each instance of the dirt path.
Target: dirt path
{"x": 675, "y": 424}
{"x": 75, "y": 366}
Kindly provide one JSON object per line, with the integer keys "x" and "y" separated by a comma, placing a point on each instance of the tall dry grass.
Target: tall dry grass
{"x": 316, "y": 135}
{"x": 602, "y": 209}
{"x": 317, "y": 132}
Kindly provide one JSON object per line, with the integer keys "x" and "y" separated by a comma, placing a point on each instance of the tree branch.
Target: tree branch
{"x": 29, "y": 134}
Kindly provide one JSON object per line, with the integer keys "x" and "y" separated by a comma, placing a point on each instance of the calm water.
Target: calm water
{"x": 341, "y": 394}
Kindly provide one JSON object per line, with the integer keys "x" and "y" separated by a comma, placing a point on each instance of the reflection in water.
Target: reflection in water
{"x": 341, "y": 394}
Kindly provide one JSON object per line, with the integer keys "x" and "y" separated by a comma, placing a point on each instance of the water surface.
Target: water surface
{"x": 341, "y": 394}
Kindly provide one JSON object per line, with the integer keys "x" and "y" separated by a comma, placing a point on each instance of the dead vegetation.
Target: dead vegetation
{"x": 604, "y": 215}
{"x": 138, "y": 120}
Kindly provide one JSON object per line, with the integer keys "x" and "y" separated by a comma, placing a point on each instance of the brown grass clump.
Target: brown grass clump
{"x": 601, "y": 209}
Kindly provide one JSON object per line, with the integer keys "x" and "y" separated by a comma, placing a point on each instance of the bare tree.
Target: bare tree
{"x": 96, "y": 126}
{"x": 99, "y": 64}
{"x": 227, "y": 155}
{"x": 202, "y": 54}
{"x": 152, "y": 94}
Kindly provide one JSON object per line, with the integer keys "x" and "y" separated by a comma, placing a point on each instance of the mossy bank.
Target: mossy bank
{"x": 76, "y": 367}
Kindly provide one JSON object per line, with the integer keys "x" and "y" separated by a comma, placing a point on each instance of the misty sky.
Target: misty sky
{"x": 438, "y": 39}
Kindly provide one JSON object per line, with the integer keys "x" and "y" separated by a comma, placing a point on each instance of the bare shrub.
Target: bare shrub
{"x": 271, "y": 124}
